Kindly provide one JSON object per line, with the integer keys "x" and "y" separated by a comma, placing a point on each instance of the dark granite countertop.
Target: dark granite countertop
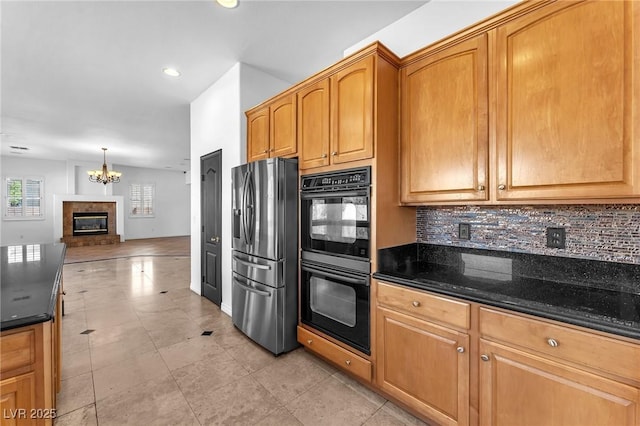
{"x": 30, "y": 278}
{"x": 599, "y": 295}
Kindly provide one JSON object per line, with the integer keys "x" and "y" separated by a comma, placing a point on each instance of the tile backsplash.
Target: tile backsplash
{"x": 598, "y": 232}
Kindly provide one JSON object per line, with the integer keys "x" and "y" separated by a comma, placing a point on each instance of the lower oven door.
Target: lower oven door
{"x": 336, "y": 303}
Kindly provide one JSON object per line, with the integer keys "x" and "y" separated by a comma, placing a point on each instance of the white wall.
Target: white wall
{"x": 171, "y": 203}
{"x": 55, "y": 181}
{"x": 218, "y": 122}
{"x": 61, "y": 177}
{"x": 430, "y": 23}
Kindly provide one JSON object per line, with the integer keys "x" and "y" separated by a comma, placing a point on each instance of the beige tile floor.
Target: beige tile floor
{"x": 146, "y": 362}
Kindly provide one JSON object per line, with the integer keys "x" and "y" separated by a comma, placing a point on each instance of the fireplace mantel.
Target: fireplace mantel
{"x": 59, "y": 199}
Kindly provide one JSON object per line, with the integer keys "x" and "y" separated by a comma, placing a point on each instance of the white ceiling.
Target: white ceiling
{"x": 81, "y": 75}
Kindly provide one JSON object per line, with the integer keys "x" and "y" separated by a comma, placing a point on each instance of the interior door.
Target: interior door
{"x": 211, "y": 209}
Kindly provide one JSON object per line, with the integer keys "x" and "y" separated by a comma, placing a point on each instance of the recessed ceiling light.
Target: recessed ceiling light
{"x": 229, "y": 4}
{"x": 171, "y": 72}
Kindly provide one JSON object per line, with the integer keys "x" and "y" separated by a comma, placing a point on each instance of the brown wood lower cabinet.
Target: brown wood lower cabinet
{"x": 520, "y": 388}
{"x": 341, "y": 357}
{"x": 29, "y": 374}
{"x": 17, "y": 396}
{"x": 424, "y": 365}
{"x": 456, "y": 363}
{"x": 534, "y": 372}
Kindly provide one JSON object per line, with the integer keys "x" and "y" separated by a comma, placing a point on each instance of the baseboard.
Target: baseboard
{"x": 226, "y": 309}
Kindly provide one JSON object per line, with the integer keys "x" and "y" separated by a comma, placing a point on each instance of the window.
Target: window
{"x": 23, "y": 198}
{"x": 141, "y": 198}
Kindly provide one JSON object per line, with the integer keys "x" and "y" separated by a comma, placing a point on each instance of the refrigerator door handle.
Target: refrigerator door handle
{"x": 251, "y": 264}
{"x": 251, "y": 289}
{"x": 244, "y": 207}
{"x": 249, "y": 207}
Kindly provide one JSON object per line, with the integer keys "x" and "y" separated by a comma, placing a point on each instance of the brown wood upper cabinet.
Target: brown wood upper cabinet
{"x": 335, "y": 117}
{"x": 271, "y": 130}
{"x": 313, "y": 125}
{"x": 444, "y": 125}
{"x": 563, "y": 114}
{"x": 565, "y": 102}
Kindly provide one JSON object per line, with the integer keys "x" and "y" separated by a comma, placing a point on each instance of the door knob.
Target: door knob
{"x": 460, "y": 349}
{"x": 215, "y": 239}
{"x": 334, "y": 153}
{"x": 484, "y": 357}
{"x": 480, "y": 187}
{"x": 501, "y": 187}
{"x": 324, "y": 155}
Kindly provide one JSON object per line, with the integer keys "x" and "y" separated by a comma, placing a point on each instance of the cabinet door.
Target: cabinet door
{"x": 258, "y": 135}
{"x": 567, "y": 79}
{"x": 313, "y": 125}
{"x": 17, "y": 399}
{"x": 283, "y": 127}
{"x": 352, "y": 112}
{"x": 424, "y": 365}
{"x": 518, "y": 388}
{"x": 444, "y": 123}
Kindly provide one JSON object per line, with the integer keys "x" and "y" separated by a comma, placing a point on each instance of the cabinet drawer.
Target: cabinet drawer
{"x": 425, "y": 305}
{"x": 345, "y": 359}
{"x": 592, "y": 350}
{"x": 17, "y": 350}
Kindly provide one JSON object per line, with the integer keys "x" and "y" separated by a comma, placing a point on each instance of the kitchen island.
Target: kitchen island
{"x": 469, "y": 336}
{"x": 31, "y": 307}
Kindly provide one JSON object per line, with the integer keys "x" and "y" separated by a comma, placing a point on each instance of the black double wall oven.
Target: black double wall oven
{"x": 335, "y": 259}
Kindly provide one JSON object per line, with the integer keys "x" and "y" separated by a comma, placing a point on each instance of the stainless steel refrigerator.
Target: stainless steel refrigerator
{"x": 265, "y": 252}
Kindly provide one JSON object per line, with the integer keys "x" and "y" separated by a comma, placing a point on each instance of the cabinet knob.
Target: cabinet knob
{"x": 484, "y": 357}
{"x": 324, "y": 155}
{"x": 309, "y": 341}
{"x": 460, "y": 349}
{"x": 265, "y": 151}
{"x": 348, "y": 362}
{"x": 553, "y": 343}
{"x": 480, "y": 187}
{"x": 273, "y": 149}
{"x": 501, "y": 187}
{"x": 415, "y": 303}
{"x": 334, "y": 153}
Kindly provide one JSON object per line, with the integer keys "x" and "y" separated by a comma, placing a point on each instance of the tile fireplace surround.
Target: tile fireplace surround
{"x": 63, "y": 218}
{"x": 70, "y": 207}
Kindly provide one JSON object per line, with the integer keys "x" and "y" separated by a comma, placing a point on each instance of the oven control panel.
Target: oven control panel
{"x": 352, "y": 178}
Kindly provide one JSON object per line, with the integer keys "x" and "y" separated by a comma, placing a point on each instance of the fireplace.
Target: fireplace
{"x": 90, "y": 223}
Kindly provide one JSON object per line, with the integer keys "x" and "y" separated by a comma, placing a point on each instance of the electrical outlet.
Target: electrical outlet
{"x": 464, "y": 231}
{"x": 556, "y": 238}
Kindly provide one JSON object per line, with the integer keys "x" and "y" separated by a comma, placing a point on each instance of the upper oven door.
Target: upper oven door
{"x": 336, "y": 223}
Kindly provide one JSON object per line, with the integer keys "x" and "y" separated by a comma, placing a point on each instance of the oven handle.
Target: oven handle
{"x": 338, "y": 276}
{"x": 251, "y": 289}
{"x": 330, "y": 194}
{"x": 251, "y": 264}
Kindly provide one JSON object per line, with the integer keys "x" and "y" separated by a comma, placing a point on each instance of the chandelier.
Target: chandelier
{"x": 104, "y": 176}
